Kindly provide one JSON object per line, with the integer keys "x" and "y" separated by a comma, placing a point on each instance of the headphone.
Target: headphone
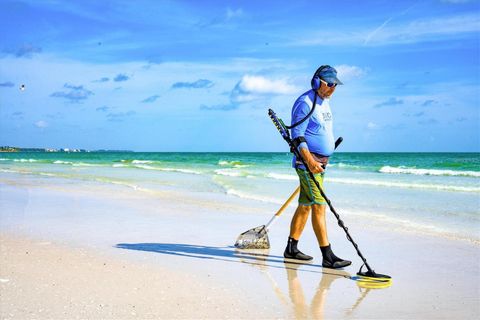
{"x": 315, "y": 85}
{"x": 316, "y": 78}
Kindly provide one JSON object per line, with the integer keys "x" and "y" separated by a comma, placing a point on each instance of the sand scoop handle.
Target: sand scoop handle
{"x": 282, "y": 208}
{"x": 294, "y": 194}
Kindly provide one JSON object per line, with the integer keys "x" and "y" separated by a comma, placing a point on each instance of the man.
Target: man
{"x": 312, "y": 134}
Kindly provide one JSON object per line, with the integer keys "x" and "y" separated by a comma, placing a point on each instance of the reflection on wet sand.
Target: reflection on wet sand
{"x": 300, "y": 307}
{"x": 296, "y": 300}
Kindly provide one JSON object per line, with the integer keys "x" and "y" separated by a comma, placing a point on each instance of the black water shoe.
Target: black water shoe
{"x": 297, "y": 255}
{"x": 330, "y": 260}
{"x": 292, "y": 252}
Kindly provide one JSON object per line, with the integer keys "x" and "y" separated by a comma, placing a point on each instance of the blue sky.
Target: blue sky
{"x": 201, "y": 75}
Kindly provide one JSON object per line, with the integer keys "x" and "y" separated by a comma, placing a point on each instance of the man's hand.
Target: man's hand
{"x": 314, "y": 166}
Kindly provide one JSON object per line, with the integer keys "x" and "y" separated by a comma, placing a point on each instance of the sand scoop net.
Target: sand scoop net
{"x": 256, "y": 238}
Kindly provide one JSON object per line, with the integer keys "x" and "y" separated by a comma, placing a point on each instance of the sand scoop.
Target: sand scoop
{"x": 257, "y": 238}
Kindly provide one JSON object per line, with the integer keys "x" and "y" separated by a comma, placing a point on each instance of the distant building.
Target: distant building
{"x": 8, "y": 149}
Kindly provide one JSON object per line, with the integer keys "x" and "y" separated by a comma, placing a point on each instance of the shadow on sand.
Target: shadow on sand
{"x": 295, "y": 301}
{"x": 230, "y": 254}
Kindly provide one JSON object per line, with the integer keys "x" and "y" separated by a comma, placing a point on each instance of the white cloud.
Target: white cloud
{"x": 251, "y": 88}
{"x": 41, "y": 124}
{"x": 262, "y": 85}
{"x": 234, "y": 13}
{"x": 372, "y": 125}
{"x": 346, "y": 72}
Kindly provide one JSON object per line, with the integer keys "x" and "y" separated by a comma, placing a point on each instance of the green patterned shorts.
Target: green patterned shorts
{"x": 309, "y": 193}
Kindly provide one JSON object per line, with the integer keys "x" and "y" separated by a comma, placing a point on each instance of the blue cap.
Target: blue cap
{"x": 328, "y": 74}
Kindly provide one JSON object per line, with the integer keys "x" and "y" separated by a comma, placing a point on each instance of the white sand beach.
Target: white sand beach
{"x": 97, "y": 251}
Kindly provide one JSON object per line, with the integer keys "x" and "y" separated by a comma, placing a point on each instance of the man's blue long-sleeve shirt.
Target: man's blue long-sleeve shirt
{"x": 318, "y": 129}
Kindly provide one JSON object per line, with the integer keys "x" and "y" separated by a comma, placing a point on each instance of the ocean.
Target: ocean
{"x": 431, "y": 193}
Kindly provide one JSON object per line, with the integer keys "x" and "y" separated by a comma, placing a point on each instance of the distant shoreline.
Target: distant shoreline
{"x": 18, "y": 149}
{"x": 221, "y": 152}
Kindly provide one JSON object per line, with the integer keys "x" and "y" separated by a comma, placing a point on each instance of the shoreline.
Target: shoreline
{"x": 235, "y": 204}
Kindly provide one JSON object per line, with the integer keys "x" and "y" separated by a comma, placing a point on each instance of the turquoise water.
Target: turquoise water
{"x": 467, "y": 164}
{"x": 421, "y": 192}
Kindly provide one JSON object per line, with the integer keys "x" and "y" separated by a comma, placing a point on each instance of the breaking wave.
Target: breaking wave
{"x": 429, "y": 172}
{"x": 147, "y": 167}
{"x": 25, "y": 160}
{"x": 233, "y": 163}
{"x": 280, "y": 176}
{"x": 251, "y": 196}
{"x": 230, "y": 173}
{"x": 378, "y": 183}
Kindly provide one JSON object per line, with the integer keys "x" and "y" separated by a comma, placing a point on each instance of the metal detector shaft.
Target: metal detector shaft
{"x": 340, "y": 221}
{"x": 286, "y": 136}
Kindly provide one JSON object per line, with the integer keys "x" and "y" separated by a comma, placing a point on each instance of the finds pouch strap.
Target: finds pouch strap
{"x": 317, "y": 157}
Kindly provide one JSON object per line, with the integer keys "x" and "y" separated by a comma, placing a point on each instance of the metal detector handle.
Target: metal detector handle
{"x": 337, "y": 143}
{"x": 279, "y": 125}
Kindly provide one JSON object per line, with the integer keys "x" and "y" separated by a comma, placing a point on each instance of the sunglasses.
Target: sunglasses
{"x": 330, "y": 85}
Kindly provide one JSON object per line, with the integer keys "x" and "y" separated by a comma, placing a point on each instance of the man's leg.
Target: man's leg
{"x": 296, "y": 228}
{"x": 298, "y": 221}
{"x": 319, "y": 224}
{"x": 305, "y": 200}
{"x": 330, "y": 260}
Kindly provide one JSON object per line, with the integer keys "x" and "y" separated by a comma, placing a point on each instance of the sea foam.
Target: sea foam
{"x": 181, "y": 170}
{"x": 141, "y": 161}
{"x": 378, "y": 183}
{"x": 250, "y": 196}
{"x": 432, "y": 172}
{"x": 280, "y": 176}
{"x": 233, "y": 163}
{"x": 62, "y": 162}
{"x": 229, "y": 173}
